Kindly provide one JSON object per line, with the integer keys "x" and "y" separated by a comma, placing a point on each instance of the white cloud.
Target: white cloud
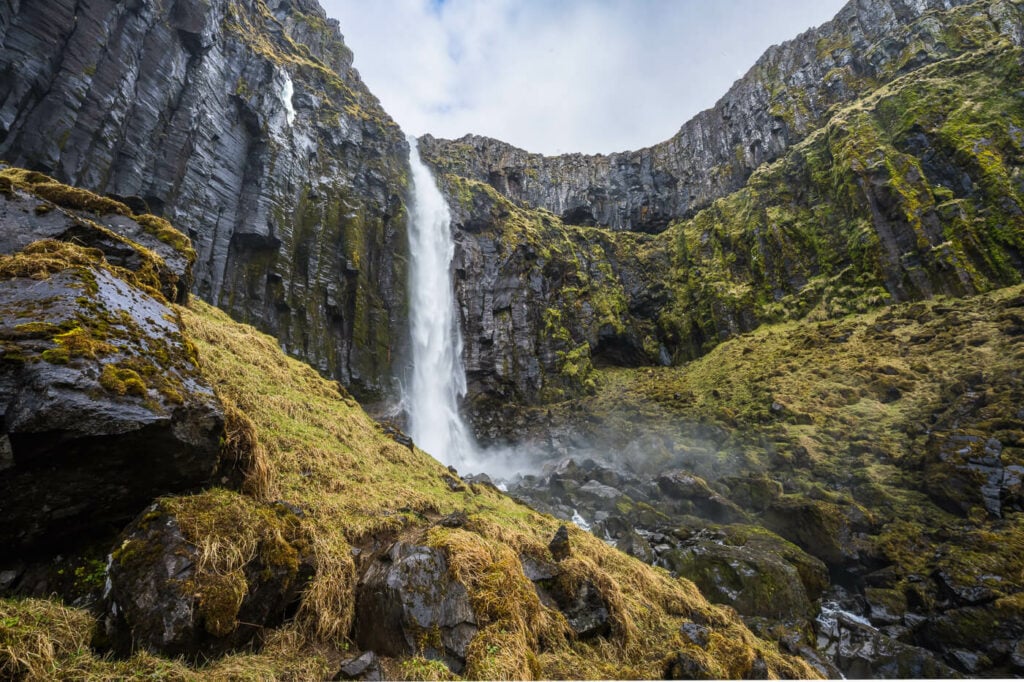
{"x": 576, "y": 75}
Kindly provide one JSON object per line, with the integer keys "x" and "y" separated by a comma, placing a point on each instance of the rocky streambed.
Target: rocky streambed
{"x": 788, "y": 566}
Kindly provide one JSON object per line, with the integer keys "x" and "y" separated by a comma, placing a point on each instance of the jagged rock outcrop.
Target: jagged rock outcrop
{"x": 787, "y": 94}
{"x": 407, "y": 603}
{"x": 244, "y": 123}
{"x": 102, "y": 405}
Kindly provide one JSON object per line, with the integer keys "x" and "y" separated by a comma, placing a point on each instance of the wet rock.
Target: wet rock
{"x": 885, "y": 606}
{"x": 819, "y": 528}
{"x": 537, "y": 570}
{"x": 559, "y": 545}
{"x": 454, "y": 484}
{"x": 363, "y": 667}
{"x": 1017, "y": 656}
{"x": 161, "y": 597}
{"x": 104, "y": 406}
{"x": 598, "y": 491}
{"x": 107, "y": 96}
{"x": 861, "y": 651}
{"x": 696, "y": 633}
{"x": 407, "y": 603}
{"x": 976, "y": 638}
{"x": 964, "y": 469}
{"x": 108, "y": 226}
{"x": 456, "y": 519}
{"x": 394, "y": 433}
{"x": 636, "y": 545}
{"x": 755, "y": 492}
{"x": 698, "y": 497}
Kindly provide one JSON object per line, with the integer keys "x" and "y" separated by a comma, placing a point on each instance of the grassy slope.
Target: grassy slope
{"x": 313, "y": 446}
{"x": 842, "y": 411}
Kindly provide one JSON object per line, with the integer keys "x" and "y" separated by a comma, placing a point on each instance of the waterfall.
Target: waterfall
{"x": 438, "y": 378}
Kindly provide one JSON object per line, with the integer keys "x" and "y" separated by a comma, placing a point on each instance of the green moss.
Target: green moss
{"x": 166, "y": 233}
{"x": 122, "y": 381}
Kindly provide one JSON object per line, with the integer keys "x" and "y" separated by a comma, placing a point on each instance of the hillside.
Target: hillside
{"x": 321, "y": 504}
{"x": 760, "y": 384}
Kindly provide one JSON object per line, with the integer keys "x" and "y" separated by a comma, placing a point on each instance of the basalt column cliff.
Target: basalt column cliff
{"x": 243, "y": 122}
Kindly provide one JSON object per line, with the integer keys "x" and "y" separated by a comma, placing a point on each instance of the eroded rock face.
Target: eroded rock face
{"x": 881, "y": 201}
{"x": 408, "y": 603}
{"x": 777, "y": 103}
{"x": 102, "y": 406}
{"x": 273, "y": 158}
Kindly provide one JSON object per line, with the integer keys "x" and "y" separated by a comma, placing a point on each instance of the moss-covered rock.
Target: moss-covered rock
{"x": 37, "y": 207}
{"x": 408, "y": 603}
{"x": 199, "y": 576}
{"x": 103, "y": 401}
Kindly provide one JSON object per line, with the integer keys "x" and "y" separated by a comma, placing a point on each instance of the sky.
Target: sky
{"x": 559, "y": 76}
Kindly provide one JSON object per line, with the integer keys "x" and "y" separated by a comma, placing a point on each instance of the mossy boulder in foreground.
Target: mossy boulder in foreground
{"x": 101, "y": 400}
{"x": 205, "y": 574}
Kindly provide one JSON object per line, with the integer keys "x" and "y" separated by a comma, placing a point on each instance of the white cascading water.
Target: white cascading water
{"x": 438, "y": 378}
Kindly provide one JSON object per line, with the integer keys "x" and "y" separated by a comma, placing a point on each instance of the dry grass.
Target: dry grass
{"x": 41, "y": 259}
{"x": 314, "y": 447}
{"x": 326, "y": 455}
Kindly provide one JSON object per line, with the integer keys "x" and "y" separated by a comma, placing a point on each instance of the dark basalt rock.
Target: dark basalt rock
{"x": 363, "y": 667}
{"x": 755, "y": 583}
{"x": 26, "y": 217}
{"x": 965, "y": 470}
{"x": 686, "y": 666}
{"x": 821, "y": 529}
{"x": 407, "y": 603}
{"x": 698, "y": 498}
{"x": 102, "y": 408}
{"x": 160, "y": 599}
{"x": 294, "y": 207}
{"x": 584, "y": 608}
{"x": 861, "y": 651}
{"x": 559, "y": 545}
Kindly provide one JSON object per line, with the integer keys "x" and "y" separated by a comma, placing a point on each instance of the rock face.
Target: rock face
{"x": 407, "y": 603}
{"x": 102, "y": 406}
{"x": 786, "y": 95}
{"x": 165, "y": 596}
{"x": 889, "y": 195}
{"x": 243, "y": 123}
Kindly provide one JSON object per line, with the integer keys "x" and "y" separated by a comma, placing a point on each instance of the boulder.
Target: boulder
{"x": 583, "y": 606}
{"x": 755, "y": 583}
{"x": 579, "y": 600}
{"x": 974, "y": 638}
{"x": 697, "y": 498}
{"x": 363, "y": 667}
{"x": 559, "y": 545}
{"x": 166, "y": 596}
{"x": 860, "y": 650}
{"x": 686, "y": 666}
{"x": 408, "y": 603}
{"x": 102, "y": 404}
{"x": 822, "y": 529}
{"x": 37, "y": 208}
{"x": 964, "y": 469}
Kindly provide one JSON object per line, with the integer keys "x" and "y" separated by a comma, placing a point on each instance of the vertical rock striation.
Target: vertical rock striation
{"x": 244, "y": 123}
